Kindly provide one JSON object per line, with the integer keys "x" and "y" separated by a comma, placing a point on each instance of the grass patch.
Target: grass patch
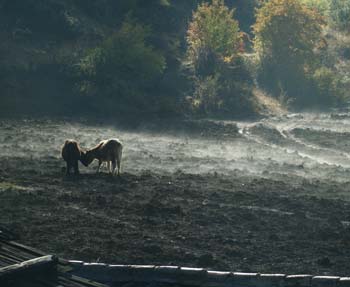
{"x": 268, "y": 105}
{"x": 4, "y": 186}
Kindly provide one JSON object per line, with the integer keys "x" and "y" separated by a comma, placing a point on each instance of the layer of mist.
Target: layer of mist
{"x": 305, "y": 145}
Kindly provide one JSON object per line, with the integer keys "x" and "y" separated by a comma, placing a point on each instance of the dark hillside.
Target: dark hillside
{"x": 93, "y": 57}
{"x": 42, "y": 41}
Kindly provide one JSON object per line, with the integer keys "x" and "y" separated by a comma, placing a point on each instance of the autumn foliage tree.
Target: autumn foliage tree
{"x": 214, "y": 46}
{"x": 287, "y": 36}
{"x": 213, "y": 32}
{"x": 322, "y": 6}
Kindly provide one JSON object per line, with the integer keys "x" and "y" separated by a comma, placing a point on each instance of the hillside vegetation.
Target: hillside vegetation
{"x": 166, "y": 58}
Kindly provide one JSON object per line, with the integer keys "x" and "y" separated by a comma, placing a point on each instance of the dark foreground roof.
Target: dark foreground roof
{"x": 21, "y": 265}
{"x": 149, "y": 275}
{"x": 24, "y": 266}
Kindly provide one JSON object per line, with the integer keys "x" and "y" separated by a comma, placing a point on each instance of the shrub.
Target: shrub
{"x": 328, "y": 86}
{"x": 123, "y": 68}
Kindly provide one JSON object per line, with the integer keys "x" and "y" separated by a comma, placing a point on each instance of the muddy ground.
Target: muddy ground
{"x": 220, "y": 222}
{"x": 234, "y": 221}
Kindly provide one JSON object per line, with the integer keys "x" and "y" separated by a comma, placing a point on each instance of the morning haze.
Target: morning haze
{"x": 212, "y": 134}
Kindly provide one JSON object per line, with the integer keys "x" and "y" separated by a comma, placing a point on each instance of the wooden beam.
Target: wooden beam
{"x": 30, "y": 250}
{"x": 45, "y": 265}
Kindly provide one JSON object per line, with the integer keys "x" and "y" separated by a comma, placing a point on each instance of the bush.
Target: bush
{"x": 328, "y": 86}
{"x": 225, "y": 93}
{"x": 205, "y": 98}
{"x": 124, "y": 68}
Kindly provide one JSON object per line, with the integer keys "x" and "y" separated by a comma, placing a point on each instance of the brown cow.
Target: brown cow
{"x": 109, "y": 151}
{"x": 71, "y": 153}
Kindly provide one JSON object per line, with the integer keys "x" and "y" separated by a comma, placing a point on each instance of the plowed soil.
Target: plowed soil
{"x": 233, "y": 221}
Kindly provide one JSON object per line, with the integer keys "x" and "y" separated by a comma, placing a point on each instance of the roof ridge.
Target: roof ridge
{"x": 198, "y": 276}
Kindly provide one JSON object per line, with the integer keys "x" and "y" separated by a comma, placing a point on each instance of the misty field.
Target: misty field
{"x": 265, "y": 196}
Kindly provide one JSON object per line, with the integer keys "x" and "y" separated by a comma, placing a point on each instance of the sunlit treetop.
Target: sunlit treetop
{"x": 287, "y": 28}
{"x": 213, "y": 29}
{"x": 322, "y": 6}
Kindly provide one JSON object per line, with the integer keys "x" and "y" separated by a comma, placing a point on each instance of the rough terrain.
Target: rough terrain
{"x": 180, "y": 203}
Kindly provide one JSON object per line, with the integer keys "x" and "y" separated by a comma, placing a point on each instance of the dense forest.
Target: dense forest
{"x": 172, "y": 58}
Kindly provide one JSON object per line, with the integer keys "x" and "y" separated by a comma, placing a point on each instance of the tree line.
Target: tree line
{"x": 163, "y": 58}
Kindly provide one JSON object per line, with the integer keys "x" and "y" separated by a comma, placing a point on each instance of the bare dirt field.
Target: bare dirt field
{"x": 268, "y": 196}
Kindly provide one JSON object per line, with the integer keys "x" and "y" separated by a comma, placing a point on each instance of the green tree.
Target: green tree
{"x": 123, "y": 68}
{"x": 213, "y": 34}
{"x": 287, "y": 36}
{"x": 214, "y": 55}
{"x": 340, "y": 13}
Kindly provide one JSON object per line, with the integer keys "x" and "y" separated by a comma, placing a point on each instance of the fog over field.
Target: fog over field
{"x": 235, "y": 129}
{"x": 307, "y": 145}
{"x": 268, "y": 196}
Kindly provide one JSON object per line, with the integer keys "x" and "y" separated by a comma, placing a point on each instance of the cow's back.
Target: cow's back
{"x": 71, "y": 150}
{"x": 109, "y": 149}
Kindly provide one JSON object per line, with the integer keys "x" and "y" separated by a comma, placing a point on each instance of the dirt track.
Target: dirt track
{"x": 235, "y": 220}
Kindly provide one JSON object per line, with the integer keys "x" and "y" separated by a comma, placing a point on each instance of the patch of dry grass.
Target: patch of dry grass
{"x": 10, "y": 186}
{"x": 268, "y": 105}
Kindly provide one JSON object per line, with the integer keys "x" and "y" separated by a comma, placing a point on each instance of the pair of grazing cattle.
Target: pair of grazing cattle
{"x": 109, "y": 151}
